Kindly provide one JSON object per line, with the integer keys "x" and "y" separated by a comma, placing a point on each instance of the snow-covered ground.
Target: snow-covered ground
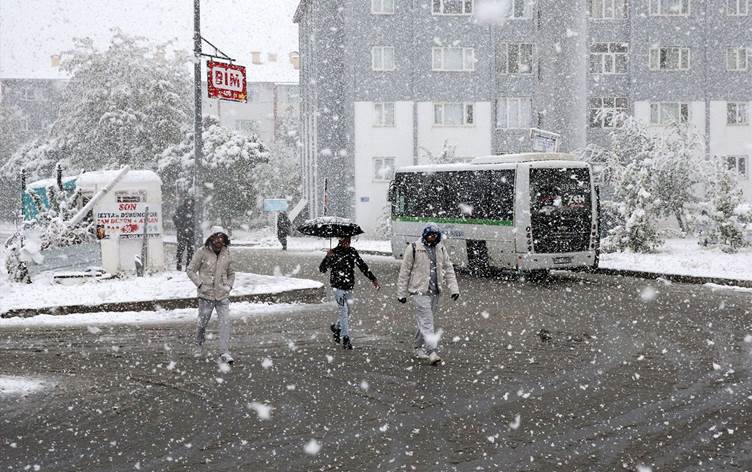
{"x": 11, "y": 385}
{"x": 685, "y": 257}
{"x": 167, "y": 285}
{"x": 267, "y": 238}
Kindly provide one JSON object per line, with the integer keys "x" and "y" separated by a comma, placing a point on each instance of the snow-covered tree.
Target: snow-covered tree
{"x": 677, "y": 170}
{"x": 648, "y": 175}
{"x": 627, "y": 169}
{"x": 12, "y": 136}
{"x": 11, "y": 129}
{"x": 723, "y": 209}
{"x": 638, "y": 208}
{"x": 121, "y": 106}
{"x": 446, "y": 155}
{"x": 280, "y": 175}
{"x": 228, "y": 178}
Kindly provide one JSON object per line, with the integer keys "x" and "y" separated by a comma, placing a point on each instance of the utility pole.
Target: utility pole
{"x": 198, "y": 141}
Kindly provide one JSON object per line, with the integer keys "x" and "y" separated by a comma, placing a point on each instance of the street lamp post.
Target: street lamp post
{"x": 198, "y": 141}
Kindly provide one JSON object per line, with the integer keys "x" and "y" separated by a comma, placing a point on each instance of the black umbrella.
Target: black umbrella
{"x": 330, "y": 227}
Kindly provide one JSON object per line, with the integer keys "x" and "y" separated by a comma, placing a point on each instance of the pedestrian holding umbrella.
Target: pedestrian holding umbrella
{"x": 341, "y": 262}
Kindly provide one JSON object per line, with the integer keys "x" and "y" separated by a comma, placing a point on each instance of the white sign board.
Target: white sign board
{"x": 544, "y": 141}
{"x": 126, "y": 220}
{"x": 275, "y": 204}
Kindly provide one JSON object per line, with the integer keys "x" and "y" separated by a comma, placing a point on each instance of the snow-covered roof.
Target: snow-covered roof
{"x": 524, "y": 157}
{"x": 103, "y": 177}
{"x": 507, "y": 161}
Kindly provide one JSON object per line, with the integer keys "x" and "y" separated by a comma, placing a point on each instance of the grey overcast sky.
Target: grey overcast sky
{"x": 31, "y": 31}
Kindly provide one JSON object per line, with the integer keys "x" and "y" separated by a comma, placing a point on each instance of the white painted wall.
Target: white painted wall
{"x": 470, "y": 141}
{"x": 370, "y": 142}
{"x": 728, "y": 140}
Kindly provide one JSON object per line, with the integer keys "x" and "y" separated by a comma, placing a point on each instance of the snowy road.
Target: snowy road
{"x": 636, "y": 374}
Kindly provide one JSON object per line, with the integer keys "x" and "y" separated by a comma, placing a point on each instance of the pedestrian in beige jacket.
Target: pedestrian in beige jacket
{"x": 212, "y": 273}
{"x": 426, "y": 269}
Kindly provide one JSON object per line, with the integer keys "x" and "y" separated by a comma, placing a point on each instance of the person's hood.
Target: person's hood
{"x": 225, "y": 239}
{"x": 431, "y": 228}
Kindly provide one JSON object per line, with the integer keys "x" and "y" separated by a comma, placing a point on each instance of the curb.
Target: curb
{"x": 302, "y": 295}
{"x": 685, "y": 279}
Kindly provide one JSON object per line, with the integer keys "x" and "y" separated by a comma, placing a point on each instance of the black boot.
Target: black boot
{"x": 346, "y": 344}
{"x": 335, "y": 332}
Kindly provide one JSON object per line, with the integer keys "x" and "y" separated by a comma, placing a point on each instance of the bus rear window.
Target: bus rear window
{"x": 556, "y": 190}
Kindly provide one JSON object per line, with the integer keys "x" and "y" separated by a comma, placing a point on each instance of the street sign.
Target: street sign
{"x": 275, "y": 204}
{"x": 226, "y": 81}
{"x": 544, "y": 141}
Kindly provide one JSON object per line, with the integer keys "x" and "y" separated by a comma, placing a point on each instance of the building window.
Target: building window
{"x": 738, "y": 164}
{"x": 382, "y": 58}
{"x": 382, "y": 7}
{"x": 29, "y": 95}
{"x": 453, "y": 114}
{"x": 669, "y": 7}
{"x": 669, "y": 59}
{"x": 383, "y": 168}
{"x": 383, "y": 114}
{"x": 519, "y": 9}
{"x": 247, "y": 126}
{"x": 453, "y": 59}
{"x": 737, "y": 7}
{"x": 667, "y": 113}
{"x": 609, "y": 58}
{"x": 608, "y": 9}
{"x": 452, "y": 7}
{"x": 607, "y": 112}
{"x": 736, "y": 58}
{"x": 513, "y": 112}
{"x": 515, "y": 58}
{"x": 737, "y": 113}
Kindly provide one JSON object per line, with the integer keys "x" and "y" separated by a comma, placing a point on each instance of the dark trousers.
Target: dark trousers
{"x": 283, "y": 241}
{"x": 185, "y": 243}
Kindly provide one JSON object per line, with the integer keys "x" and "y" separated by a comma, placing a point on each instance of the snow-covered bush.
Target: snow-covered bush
{"x": 228, "y": 177}
{"x": 51, "y": 223}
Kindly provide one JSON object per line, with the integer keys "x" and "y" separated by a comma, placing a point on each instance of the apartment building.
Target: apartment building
{"x": 269, "y": 105}
{"x": 387, "y": 83}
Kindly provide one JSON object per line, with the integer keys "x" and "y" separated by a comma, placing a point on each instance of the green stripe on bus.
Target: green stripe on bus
{"x": 456, "y": 221}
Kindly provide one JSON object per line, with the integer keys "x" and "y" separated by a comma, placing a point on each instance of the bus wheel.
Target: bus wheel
{"x": 477, "y": 257}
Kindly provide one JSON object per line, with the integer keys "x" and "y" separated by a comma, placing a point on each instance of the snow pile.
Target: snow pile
{"x": 92, "y": 322}
{"x": 14, "y": 386}
{"x": 163, "y": 286}
{"x": 684, "y": 257}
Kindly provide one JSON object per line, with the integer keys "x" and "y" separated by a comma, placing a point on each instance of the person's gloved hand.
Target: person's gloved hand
{"x": 455, "y": 296}
{"x": 402, "y": 300}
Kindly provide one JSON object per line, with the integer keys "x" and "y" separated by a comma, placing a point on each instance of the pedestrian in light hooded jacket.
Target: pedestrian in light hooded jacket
{"x": 425, "y": 273}
{"x": 211, "y": 271}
